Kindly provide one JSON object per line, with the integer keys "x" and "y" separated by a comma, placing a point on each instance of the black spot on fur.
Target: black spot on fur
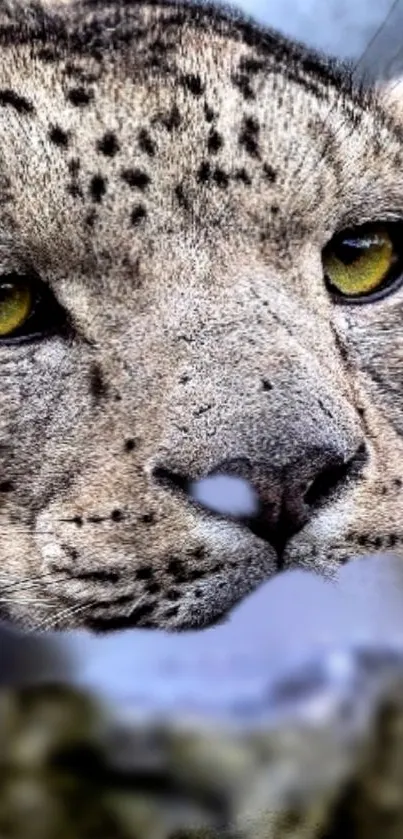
{"x": 6, "y": 486}
{"x": 79, "y": 97}
{"x": 170, "y": 120}
{"x": 266, "y": 385}
{"x": 74, "y": 190}
{"x": 193, "y": 83}
{"x": 117, "y": 515}
{"x": 73, "y": 71}
{"x": 274, "y": 209}
{"x": 10, "y": 98}
{"x": 250, "y": 65}
{"x": 242, "y": 82}
{"x": 220, "y": 178}
{"x": 198, "y": 573}
{"x": 98, "y": 386}
{"x": 74, "y": 166}
{"x": 100, "y": 576}
{"x": 269, "y": 173}
{"x": 135, "y": 618}
{"x": 397, "y": 483}
{"x": 147, "y": 518}
{"x": 242, "y": 175}
{"x": 159, "y": 46}
{"x": 71, "y": 552}
{"x": 137, "y": 215}
{"x": 145, "y": 572}
{"x": 204, "y": 172}
{"x": 78, "y": 520}
{"x": 208, "y": 113}
{"x": 47, "y": 54}
{"x": 90, "y": 220}
{"x": 59, "y": 137}
{"x": 172, "y": 612}
{"x": 176, "y": 568}
{"x": 97, "y": 188}
{"x": 173, "y": 594}
{"x": 214, "y": 142}
{"x": 135, "y": 178}
{"x": 248, "y": 137}
{"x": 108, "y": 145}
{"x": 181, "y": 197}
{"x": 146, "y": 144}
{"x": 130, "y": 444}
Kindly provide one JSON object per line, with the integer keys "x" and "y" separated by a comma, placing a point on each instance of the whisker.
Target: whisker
{"x": 29, "y": 581}
{"x": 20, "y": 601}
{"x": 71, "y": 610}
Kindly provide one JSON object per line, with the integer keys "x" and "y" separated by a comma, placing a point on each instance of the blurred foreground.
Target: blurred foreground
{"x": 285, "y": 721}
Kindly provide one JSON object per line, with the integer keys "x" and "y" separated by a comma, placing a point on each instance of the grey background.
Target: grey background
{"x": 341, "y": 27}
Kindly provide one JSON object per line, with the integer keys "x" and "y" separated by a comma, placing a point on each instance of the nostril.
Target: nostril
{"x": 325, "y": 482}
{"x": 170, "y": 480}
{"x": 333, "y": 475}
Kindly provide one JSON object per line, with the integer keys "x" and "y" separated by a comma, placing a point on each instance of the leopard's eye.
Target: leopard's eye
{"x": 16, "y": 303}
{"x": 362, "y": 264}
{"x": 28, "y": 309}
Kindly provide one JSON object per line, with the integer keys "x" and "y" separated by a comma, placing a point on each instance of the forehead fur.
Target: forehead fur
{"x": 97, "y": 28}
{"x": 214, "y": 115}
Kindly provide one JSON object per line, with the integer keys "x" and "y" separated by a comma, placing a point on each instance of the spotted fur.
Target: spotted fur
{"x": 171, "y": 173}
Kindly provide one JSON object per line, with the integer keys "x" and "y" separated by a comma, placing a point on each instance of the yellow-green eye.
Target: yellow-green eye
{"x": 357, "y": 263}
{"x": 16, "y": 301}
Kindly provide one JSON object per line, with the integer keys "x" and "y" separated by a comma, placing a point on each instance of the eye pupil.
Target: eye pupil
{"x": 349, "y": 251}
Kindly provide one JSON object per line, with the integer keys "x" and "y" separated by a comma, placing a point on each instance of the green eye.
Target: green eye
{"x": 16, "y": 303}
{"x": 359, "y": 263}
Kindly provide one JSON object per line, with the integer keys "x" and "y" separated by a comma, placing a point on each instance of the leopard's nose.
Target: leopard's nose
{"x": 276, "y": 502}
